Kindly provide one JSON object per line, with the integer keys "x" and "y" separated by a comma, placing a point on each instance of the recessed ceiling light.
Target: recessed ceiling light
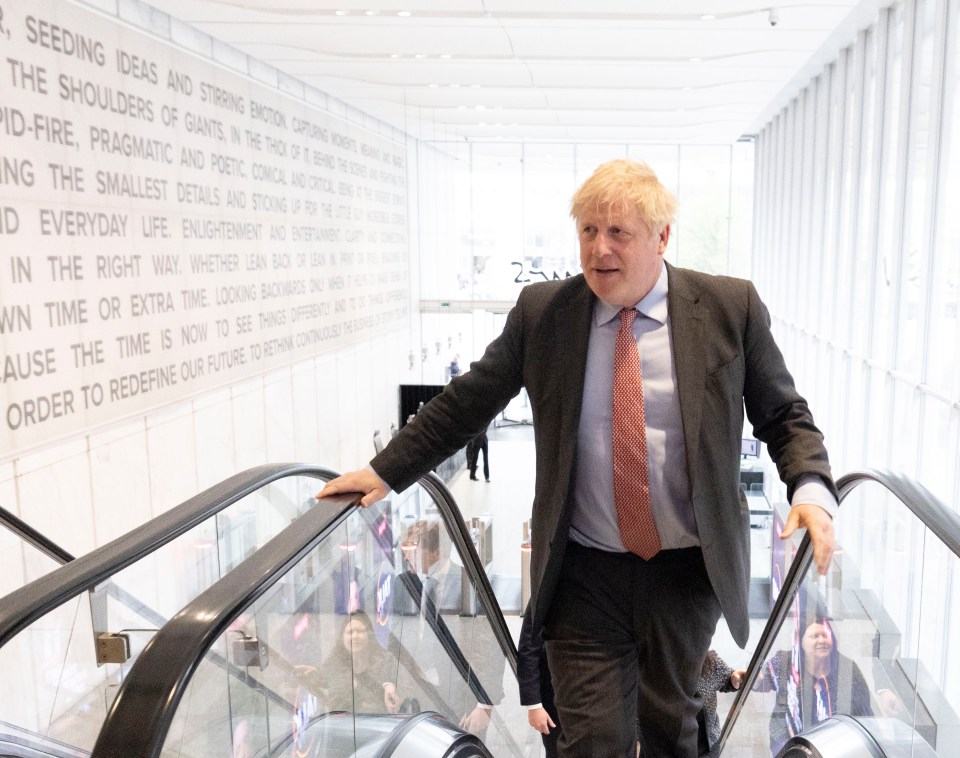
{"x": 433, "y": 85}
{"x": 446, "y": 56}
{"x": 687, "y": 89}
{"x": 340, "y": 13}
{"x": 404, "y": 13}
{"x": 455, "y": 86}
{"x": 461, "y": 107}
{"x": 482, "y": 123}
{"x": 479, "y": 107}
{"x": 394, "y": 55}
{"x": 707, "y": 17}
{"x": 694, "y": 60}
{"x": 371, "y": 13}
{"x": 419, "y": 56}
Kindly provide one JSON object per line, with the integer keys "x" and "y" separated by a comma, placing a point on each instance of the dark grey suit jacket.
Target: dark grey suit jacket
{"x": 725, "y": 358}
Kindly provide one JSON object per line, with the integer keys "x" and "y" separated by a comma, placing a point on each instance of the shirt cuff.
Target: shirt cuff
{"x": 485, "y": 706}
{"x": 811, "y": 490}
{"x": 534, "y": 706}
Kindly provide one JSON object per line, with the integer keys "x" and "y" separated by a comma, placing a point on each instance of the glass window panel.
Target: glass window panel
{"x": 833, "y": 199}
{"x": 549, "y": 250}
{"x": 943, "y": 350}
{"x": 887, "y": 254}
{"x": 848, "y": 193}
{"x": 741, "y": 208}
{"x": 879, "y": 420}
{"x": 702, "y": 235}
{"x": 494, "y": 229}
{"x": 938, "y": 463}
{"x": 913, "y": 269}
{"x": 443, "y": 202}
{"x": 864, "y": 244}
{"x": 663, "y": 159}
{"x": 589, "y": 157}
{"x": 905, "y": 429}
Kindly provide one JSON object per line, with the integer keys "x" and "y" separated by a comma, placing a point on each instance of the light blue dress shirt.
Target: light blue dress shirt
{"x": 594, "y": 519}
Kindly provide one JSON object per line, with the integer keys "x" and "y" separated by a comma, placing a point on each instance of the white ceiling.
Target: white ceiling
{"x": 631, "y": 71}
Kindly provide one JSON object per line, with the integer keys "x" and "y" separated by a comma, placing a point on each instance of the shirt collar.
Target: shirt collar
{"x": 652, "y": 305}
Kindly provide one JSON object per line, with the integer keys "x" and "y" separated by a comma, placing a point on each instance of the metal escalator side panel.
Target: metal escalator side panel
{"x": 837, "y": 737}
{"x": 21, "y": 743}
{"x": 848, "y": 737}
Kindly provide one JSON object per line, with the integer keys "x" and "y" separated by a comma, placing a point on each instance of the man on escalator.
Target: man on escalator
{"x": 638, "y": 374}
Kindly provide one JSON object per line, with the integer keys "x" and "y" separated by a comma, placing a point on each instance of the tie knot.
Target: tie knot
{"x": 627, "y": 315}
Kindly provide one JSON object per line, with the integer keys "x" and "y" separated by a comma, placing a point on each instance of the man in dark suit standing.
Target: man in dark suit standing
{"x": 638, "y": 375}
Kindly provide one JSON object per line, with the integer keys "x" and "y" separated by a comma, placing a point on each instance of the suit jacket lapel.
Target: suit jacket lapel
{"x": 572, "y": 324}
{"x": 687, "y": 319}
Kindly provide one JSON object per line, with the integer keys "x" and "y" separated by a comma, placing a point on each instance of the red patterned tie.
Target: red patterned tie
{"x": 631, "y": 480}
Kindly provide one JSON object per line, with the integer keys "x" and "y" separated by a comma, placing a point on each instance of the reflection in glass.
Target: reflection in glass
{"x": 376, "y": 624}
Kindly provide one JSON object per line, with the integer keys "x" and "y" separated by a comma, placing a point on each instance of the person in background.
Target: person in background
{"x": 358, "y": 675}
{"x": 455, "y": 367}
{"x": 715, "y": 676}
{"x": 812, "y": 683}
{"x": 638, "y": 375}
{"x": 474, "y": 447}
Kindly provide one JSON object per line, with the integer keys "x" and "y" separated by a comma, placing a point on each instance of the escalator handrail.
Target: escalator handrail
{"x": 143, "y": 710}
{"x": 31, "y": 536}
{"x": 22, "y": 607}
{"x": 931, "y": 512}
{"x": 926, "y": 506}
{"x": 457, "y": 529}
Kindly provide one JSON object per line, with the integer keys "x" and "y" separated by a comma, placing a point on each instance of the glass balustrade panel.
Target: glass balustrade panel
{"x": 868, "y": 640}
{"x": 55, "y": 659}
{"x": 358, "y": 636}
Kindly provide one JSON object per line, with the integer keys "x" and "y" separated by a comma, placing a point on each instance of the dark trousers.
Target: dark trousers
{"x": 626, "y": 639}
{"x": 473, "y": 458}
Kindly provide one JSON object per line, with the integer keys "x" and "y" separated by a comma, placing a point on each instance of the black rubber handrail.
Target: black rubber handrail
{"x": 140, "y": 715}
{"x": 457, "y": 529}
{"x": 22, "y": 607}
{"x": 926, "y": 506}
{"x": 30, "y": 535}
{"x": 931, "y": 512}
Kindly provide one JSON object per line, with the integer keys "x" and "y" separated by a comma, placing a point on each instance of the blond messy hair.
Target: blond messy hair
{"x": 626, "y": 185}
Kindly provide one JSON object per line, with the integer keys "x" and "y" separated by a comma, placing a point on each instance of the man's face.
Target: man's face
{"x": 817, "y": 641}
{"x": 621, "y": 257}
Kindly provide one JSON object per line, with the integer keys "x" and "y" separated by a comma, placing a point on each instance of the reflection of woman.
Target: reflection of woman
{"x": 812, "y": 685}
{"x": 357, "y": 675}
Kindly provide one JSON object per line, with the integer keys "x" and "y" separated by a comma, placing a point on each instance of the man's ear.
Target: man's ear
{"x": 664, "y": 238}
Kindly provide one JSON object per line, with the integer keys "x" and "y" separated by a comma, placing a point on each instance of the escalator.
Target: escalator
{"x": 351, "y": 633}
{"x": 427, "y": 666}
{"x": 853, "y": 664}
{"x": 68, "y": 637}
